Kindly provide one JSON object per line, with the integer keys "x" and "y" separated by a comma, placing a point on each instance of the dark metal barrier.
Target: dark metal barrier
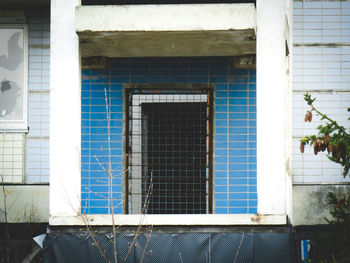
{"x": 239, "y": 247}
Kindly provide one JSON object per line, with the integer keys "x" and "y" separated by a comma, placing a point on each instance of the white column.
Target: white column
{"x": 65, "y": 110}
{"x": 271, "y": 110}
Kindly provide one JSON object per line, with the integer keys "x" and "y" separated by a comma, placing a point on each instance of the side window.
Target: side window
{"x": 169, "y": 148}
{"x": 13, "y": 78}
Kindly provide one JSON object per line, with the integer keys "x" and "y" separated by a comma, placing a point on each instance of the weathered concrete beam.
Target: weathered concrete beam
{"x": 166, "y": 30}
{"x": 185, "y": 17}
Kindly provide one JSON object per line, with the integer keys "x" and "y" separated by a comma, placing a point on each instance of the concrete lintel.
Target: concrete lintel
{"x": 167, "y": 44}
{"x": 183, "y": 17}
{"x": 171, "y": 220}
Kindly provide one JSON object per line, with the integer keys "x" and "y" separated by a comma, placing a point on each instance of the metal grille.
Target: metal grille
{"x": 168, "y": 138}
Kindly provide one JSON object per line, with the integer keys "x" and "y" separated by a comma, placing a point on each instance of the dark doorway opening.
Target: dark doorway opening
{"x": 174, "y": 156}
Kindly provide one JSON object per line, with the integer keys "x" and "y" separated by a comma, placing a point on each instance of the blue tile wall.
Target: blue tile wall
{"x": 235, "y": 190}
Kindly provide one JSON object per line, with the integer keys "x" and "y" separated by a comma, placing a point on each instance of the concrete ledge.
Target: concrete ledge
{"x": 166, "y": 30}
{"x": 184, "y": 17}
{"x": 171, "y": 220}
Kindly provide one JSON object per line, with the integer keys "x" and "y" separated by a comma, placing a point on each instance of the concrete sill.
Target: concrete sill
{"x": 171, "y": 220}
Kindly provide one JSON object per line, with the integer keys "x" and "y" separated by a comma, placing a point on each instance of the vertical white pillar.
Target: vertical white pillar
{"x": 65, "y": 110}
{"x": 271, "y": 111}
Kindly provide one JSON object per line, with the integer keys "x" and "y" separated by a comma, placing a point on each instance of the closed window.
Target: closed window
{"x": 13, "y": 78}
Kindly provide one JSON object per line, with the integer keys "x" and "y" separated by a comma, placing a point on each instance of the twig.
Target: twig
{"x": 181, "y": 257}
{"x": 110, "y": 173}
{"x": 146, "y": 245}
{"x": 143, "y": 214}
{"x": 92, "y": 234}
{"x": 239, "y": 248}
{"x": 7, "y": 236}
{"x": 32, "y": 254}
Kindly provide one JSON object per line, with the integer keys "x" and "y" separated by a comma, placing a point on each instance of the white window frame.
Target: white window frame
{"x": 22, "y": 124}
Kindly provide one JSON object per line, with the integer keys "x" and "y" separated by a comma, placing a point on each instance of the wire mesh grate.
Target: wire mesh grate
{"x": 168, "y": 145}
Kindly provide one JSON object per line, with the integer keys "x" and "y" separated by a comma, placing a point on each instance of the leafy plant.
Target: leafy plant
{"x": 331, "y": 137}
{"x": 332, "y": 245}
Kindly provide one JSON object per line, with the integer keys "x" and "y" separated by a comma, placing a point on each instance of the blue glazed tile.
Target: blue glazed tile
{"x": 221, "y": 130}
{"x": 221, "y": 203}
{"x": 236, "y": 210}
{"x": 84, "y": 181}
{"x": 220, "y": 159}
{"x": 238, "y": 144}
{"x": 219, "y": 196}
{"x": 238, "y": 159}
{"x": 252, "y": 145}
{"x": 252, "y": 188}
{"x": 237, "y": 109}
{"x": 220, "y": 144}
{"x": 238, "y": 130}
{"x": 234, "y": 188}
{"x": 238, "y": 166}
{"x": 222, "y": 174}
{"x": 252, "y": 159}
{"x": 253, "y": 203}
{"x": 85, "y": 145}
{"x": 238, "y": 181}
{"x": 237, "y": 137}
{"x": 220, "y": 167}
{"x": 253, "y": 196}
{"x": 221, "y": 210}
{"x": 252, "y": 210}
{"x": 220, "y": 138}
{"x": 99, "y": 189}
{"x": 252, "y": 94}
{"x": 252, "y": 130}
{"x": 221, "y": 108}
{"x": 238, "y": 152}
{"x": 238, "y": 116}
{"x": 221, "y": 101}
{"x": 252, "y": 166}
{"x": 221, "y": 115}
{"x": 98, "y": 210}
{"x": 238, "y": 203}
{"x": 238, "y": 94}
{"x": 238, "y": 196}
{"x": 238, "y": 101}
{"x": 220, "y": 181}
{"x": 220, "y": 189}
{"x": 238, "y": 123}
{"x": 99, "y": 203}
{"x": 99, "y": 181}
{"x": 221, "y": 87}
{"x": 221, "y": 94}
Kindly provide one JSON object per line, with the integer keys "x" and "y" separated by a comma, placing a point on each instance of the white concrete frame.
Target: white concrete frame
{"x": 271, "y": 122}
{"x": 65, "y": 110}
